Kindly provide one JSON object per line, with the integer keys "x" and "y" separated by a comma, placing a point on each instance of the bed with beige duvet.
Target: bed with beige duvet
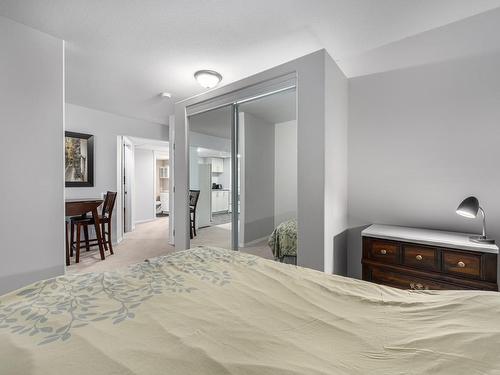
{"x": 213, "y": 311}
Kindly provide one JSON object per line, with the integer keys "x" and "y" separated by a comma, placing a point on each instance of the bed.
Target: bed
{"x": 213, "y": 311}
{"x": 283, "y": 241}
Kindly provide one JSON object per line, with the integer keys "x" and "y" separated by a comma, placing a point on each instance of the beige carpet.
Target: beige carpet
{"x": 150, "y": 240}
{"x": 220, "y": 236}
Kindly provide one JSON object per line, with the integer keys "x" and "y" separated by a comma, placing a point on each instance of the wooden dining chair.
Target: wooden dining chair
{"x": 82, "y": 223}
{"x": 74, "y": 212}
{"x": 194, "y": 195}
{"x": 106, "y": 218}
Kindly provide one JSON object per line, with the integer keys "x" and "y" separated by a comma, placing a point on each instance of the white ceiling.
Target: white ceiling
{"x": 150, "y": 144}
{"x": 274, "y": 109}
{"x": 122, "y": 54}
{"x": 216, "y": 123}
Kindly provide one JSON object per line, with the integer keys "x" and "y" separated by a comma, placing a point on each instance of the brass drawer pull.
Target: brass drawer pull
{"x": 418, "y": 286}
{"x": 419, "y": 257}
{"x": 383, "y": 251}
{"x": 461, "y": 264}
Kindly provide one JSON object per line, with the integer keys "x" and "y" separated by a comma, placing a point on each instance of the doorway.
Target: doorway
{"x": 144, "y": 180}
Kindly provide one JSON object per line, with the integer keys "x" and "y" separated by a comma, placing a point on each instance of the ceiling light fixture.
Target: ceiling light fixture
{"x": 166, "y": 95}
{"x": 208, "y": 78}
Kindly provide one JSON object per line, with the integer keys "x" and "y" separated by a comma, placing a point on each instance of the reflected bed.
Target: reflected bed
{"x": 283, "y": 241}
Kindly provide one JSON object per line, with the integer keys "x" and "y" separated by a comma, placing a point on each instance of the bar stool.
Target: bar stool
{"x": 82, "y": 224}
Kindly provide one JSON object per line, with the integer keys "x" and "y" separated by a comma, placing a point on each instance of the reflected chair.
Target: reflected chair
{"x": 194, "y": 195}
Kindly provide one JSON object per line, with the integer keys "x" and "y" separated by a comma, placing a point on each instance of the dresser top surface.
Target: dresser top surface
{"x": 427, "y": 237}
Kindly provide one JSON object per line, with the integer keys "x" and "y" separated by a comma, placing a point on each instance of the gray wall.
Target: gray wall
{"x": 421, "y": 140}
{"x": 335, "y": 185}
{"x": 285, "y": 171}
{"x": 144, "y": 176}
{"x": 106, "y": 127}
{"x": 31, "y": 155}
{"x": 258, "y": 190}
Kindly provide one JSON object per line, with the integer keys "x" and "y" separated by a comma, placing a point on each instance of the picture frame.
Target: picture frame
{"x": 79, "y": 159}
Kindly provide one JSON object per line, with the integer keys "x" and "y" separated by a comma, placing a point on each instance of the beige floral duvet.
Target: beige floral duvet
{"x": 212, "y": 311}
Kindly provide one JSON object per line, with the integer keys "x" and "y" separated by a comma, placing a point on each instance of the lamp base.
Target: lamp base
{"x": 482, "y": 239}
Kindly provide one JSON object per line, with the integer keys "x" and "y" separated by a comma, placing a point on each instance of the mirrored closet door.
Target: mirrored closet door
{"x": 243, "y": 176}
{"x": 267, "y": 156}
{"x": 210, "y": 172}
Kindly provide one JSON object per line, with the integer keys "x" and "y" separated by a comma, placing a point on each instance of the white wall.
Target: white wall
{"x": 258, "y": 192}
{"x": 106, "y": 127}
{"x": 194, "y": 174}
{"x": 209, "y": 141}
{"x": 285, "y": 171}
{"x": 31, "y": 155}
{"x": 335, "y": 148}
{"x": 225, "y": 177}
{"x": 144, "y": 185}
{"x": 421, "y": 140}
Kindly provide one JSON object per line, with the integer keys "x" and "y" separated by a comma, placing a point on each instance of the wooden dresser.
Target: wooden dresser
{"x": 411, "y": 258}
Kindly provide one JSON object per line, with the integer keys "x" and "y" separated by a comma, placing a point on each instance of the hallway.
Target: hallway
{"x": 150, "y": 240}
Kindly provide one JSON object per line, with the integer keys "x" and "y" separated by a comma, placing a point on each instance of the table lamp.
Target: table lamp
{"x": 469, "y": 208}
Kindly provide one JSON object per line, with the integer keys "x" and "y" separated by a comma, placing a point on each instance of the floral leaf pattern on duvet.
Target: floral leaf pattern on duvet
{"x": 80, "y": 300}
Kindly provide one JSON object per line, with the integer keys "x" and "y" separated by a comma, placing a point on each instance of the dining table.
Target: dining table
{"x": 81, "y": 207}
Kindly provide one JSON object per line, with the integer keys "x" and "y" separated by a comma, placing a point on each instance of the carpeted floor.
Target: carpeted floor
{"x": 150, "y": 240}
{"x": 221, "y": 218}
{"x": 220, "y": 236}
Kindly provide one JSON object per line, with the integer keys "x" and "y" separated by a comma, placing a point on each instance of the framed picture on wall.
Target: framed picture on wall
{"x": 79, "y": 160}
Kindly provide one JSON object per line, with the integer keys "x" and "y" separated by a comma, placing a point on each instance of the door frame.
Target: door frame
{"x": 127, "y": 186}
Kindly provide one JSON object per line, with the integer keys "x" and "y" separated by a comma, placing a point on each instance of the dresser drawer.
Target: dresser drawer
{"x": 421, "y": 257}
{"x": 412, "y": 258}
{"x": 407, "y": 281}
{"x": 463, "y": 264}
{"x": 384, "y": 251}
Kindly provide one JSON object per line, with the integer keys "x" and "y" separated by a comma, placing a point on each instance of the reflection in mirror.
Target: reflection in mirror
{"x": 267, "y": 150}
{"x": 210, "y": 178}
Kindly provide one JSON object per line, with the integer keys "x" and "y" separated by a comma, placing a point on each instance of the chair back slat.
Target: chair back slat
{"x": 109, "y": 203}
{"x": 193, "y": 197}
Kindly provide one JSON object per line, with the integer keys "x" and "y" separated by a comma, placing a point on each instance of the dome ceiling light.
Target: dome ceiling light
{"x": 208, "y": 78}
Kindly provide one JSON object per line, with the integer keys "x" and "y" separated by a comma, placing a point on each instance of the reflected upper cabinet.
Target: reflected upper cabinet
{"x": 217, "y": 165}
{"x": 164, "y": 172}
